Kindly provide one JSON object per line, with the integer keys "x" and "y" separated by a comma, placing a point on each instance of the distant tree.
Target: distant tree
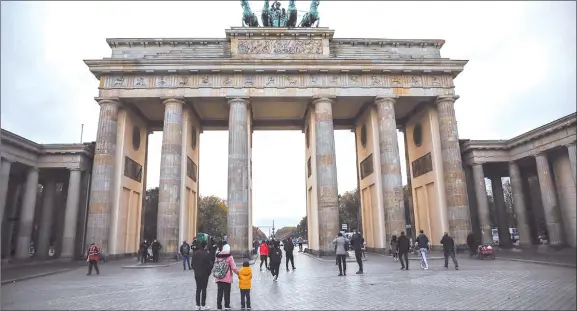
{"x": 212, "y": 216}
{"x": 258, "y": 234}
{"x": 508, "y": 193}
{"x": 285, "y": 232}
{"x": 302, "y": 228}
{"x": 150, "y": 214}
{"x": 349, "y": 209}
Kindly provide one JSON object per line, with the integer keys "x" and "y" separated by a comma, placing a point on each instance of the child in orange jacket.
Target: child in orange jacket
{"x": 244, "y": 283}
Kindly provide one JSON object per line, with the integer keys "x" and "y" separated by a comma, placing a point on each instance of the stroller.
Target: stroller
{"x": 485, "y": 251}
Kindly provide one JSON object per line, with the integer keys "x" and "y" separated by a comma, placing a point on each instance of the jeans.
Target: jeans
{"x": 186, "y": 262}
{"x": 245, "y": 296}
{"x": 424, "y": 257}
{"x": 223, "y": 290}
{"x": 406, "y": 255}
{"x": 289, "y": 256}
{"x": 342, "y": 262}
{"x": 359, "y": 257}
{"x": 263, "y": 258}
{"x": 155, "y": 256}
{"x": 450, "y": 253}
{"x": 201, "y": 284}
{"x": 93, "y": 263}
{"x": 300, "y": 247}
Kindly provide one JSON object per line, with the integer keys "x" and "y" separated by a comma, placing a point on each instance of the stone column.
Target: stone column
{"x": 501, "y": 209}
{"x": 4, "y": 182}
{"x": 482, "y": 204}
{"x": 409, "y": 185}
{"x": 453, "y": 173}
{"x": 390, "y": 168}
{"x": 170, "y": 176}
{"x": 238, "y": 176}
{"x": 327, "y": 188}
{"x": 572, "y": 160}
{"x": 519, "y": 205}
{"x": 71, "y": 214}
{"x": 47, "y": 216}
{"x": 27, "y": 215}
{"x": 102, "y": 185}
{"x": 549, "y": 199}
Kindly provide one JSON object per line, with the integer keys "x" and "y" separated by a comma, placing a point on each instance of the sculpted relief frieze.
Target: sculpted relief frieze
{"x": 302, "y": 46}
{"x": 279, "y": 81}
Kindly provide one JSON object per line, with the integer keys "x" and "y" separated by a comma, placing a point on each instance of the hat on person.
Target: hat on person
{"x": 226, "y": 248}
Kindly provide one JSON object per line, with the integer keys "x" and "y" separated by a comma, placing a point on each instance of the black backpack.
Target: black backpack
{"x": 347, "y": 246}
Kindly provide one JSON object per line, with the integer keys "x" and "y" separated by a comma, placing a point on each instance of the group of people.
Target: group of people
{"x": 144, "y": 256}
{"x": 401, "y": 247}
{"x": 342, "y": 245}
{"x": 270, "y": 252}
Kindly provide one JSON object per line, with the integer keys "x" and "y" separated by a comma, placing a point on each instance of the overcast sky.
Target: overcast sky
{"x": 520, "y": 75}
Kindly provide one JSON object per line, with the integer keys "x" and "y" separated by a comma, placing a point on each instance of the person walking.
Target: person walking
{"x": 255, "y": 245}
{"x": 224, "y": 267}
{"x": 403, "y": 247}
{"x": 423, "y": 244}
{"x": 155, "y": 246}
{"x": 275, "y": 255}
{"x": 244, "y": 284}
{"x": 288, "y": 249}
{"x": 202, "y": 262}
{"x": 449, "y": 250}
{"x": 340, "y": 249}
{"x": 394, "y": 249}
{"x": 185, "y": 252}
{"x": 357, "y": 242}
{"x": 300, "y": 243}
{"x": 93, "y": 257}
{"x": 143, "y": 252}
{"x": 472, "y": 244}
{"x": 263, "y": 250}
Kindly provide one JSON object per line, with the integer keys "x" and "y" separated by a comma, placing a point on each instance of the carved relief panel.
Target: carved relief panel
{"x": 280, "y": 80}
{"x": 279, "y": 48}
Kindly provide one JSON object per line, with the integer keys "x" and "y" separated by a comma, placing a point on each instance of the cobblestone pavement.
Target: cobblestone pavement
{"x": 480, "y": 285}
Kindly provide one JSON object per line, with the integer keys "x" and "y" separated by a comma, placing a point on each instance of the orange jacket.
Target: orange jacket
{"x": 244, "y": 277}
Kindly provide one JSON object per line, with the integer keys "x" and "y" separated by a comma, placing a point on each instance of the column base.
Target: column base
{"x": 377, "y": 250}
{"x": 319, "y": 253}
{"x": 238, "y": 255}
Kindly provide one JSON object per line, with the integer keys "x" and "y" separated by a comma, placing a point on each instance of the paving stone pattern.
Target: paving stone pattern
{"x": 478, "y": 285}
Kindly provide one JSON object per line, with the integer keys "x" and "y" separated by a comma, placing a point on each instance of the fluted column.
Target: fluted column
{"x": 390, "y": 168}
{"x": 27, "y": 214}
{"x": 572, "y": 159}
{"x": 47, "y": 218}
{"x": 519, "y": 205}
{"x": 102, "y": 185}
{"x": 453, "y": 173}
{"x": 482, "y": 204}
{"x": 4, "y": 181}
{"x": 71, "y": 214}
{"x": 170, "y": 176}
{"x": 327, "y": 188}
{"x": 501, "y": 209}
{"x": 238, "y": 221}
{"x": 549, "y": 199}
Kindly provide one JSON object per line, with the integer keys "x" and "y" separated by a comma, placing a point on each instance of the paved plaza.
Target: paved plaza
{"x": 498, "y": 284}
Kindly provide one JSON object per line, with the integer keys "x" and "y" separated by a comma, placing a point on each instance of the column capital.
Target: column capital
{"x": 512, "y": 163}
{"x": 237, "y": 99}
{"x": 75, "y": 169}
{"x": 173, "y": 99}
{"x": 7, "y": 161}
{"x": 323, "y": 98}
{"x": 444, "y": 98}
{"x": 540, "y": 154}
{"x": 108, "y": 101}
{"x": 34, "y": 169}
{"x": 568, "y": 145}
{"x": 380, "y": 99}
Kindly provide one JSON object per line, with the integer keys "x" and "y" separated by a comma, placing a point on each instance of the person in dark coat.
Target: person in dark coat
{"x": 275, "y": 255}
{"x": 449, "y": 250}
{"x": 357, "y": 242}
{"x": 185, "y": 252}
{"x": 403, "y": 246}
{"x": 143, "y": 251}
{"x": 202, "y": 262}
{"x": 472, "y": 244}
{"x": 156, "y": 246}
{"x": 288, "y": 249}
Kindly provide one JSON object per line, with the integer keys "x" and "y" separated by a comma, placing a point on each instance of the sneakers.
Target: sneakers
{"x": 402, "y": 268}
{"x": 340, "y": 274}
{"x": 456, "y": 267}
{"x": 359, "y": 272}
{"x": 275, "y": 278}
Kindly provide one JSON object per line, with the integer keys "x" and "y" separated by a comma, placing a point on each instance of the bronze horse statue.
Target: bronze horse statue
{"x": 248, "y": 17}
{"x": 312, "y": 16}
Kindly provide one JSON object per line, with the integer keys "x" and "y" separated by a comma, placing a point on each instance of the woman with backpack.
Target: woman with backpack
{"x": 224, "y": 266}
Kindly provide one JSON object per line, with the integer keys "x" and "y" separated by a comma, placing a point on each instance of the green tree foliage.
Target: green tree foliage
{"x": 150, "y": 213}
{"x": 349, "y": 209}
{"x": 212, "y": 216}
{"x": 302, "y": 228}
{"x": 258, "y": 234}
{"x": 285, "y": 232}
